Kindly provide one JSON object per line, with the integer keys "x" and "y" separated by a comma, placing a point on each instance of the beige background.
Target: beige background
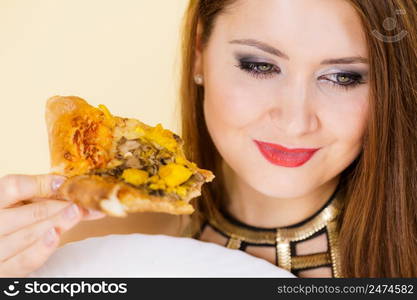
{"x": 122, "y": 53}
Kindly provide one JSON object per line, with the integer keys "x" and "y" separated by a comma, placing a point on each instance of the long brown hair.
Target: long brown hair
{"x": 378, "y": 228}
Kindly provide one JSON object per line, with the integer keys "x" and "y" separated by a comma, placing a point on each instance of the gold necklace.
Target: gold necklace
{"x": 324, "y": 220}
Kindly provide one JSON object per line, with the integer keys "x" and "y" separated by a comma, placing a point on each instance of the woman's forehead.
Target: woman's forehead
{"x": 322, "y": 27}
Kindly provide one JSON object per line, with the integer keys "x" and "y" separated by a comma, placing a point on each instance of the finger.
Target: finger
{"x": 15, "y": 188}
{"x": 32, "y": 257}
{"x": 19, "y": 240}
{"x": 13, "y": 219}
{"x": 89, "y": 214}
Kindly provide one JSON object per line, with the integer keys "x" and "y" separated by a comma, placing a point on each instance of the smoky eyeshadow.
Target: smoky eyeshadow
{"x": 360, "y": 74}
{"x": 245, "y": 57}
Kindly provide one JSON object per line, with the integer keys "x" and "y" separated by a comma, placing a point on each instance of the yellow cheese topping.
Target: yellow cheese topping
{"x": 162, "y": 137}
{"x": 180, "y": 190}
{"x": 108, "y": 116}
{"x": 183, "y": 161}
{"x": 135, "y": 176}
{"x": 105, "y": 110}
{"x": 140, "y": 130}
{"x": 174, "y": 174}
{"x": 158, "y": 183}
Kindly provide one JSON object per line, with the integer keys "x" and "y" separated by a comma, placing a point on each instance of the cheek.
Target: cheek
{"x": 229, "y": 112}
{"x": 227, "y": 105}
{"x": 225, "y": 115}
{"x": 345, "y": 122}
{"x": 348, "y": 120}
{"x": 232, "y": 98}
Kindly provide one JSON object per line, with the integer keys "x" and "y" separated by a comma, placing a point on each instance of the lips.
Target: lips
{"x": 281, "y": 156}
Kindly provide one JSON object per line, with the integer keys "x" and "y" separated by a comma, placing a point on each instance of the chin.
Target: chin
{"x": 281, "y": 186}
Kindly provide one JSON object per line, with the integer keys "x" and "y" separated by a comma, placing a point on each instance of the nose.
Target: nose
{"x": 293, "y": 111}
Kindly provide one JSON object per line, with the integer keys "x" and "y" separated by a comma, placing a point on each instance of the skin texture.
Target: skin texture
{"x": 295, "y": 106}
{"x": 32, "y": 221}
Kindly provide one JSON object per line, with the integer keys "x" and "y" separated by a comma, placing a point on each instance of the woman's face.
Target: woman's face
{"x": 291, "y": 73}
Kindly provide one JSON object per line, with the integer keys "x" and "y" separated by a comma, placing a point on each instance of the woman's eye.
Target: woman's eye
{"x": 264, "y": 67}
{"x": 258, "y": 69}
{"x": 343, "y": 80}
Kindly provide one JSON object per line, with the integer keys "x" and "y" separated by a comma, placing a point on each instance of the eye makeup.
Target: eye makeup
{"x": 257, "y": 67}
{"x": 344, "y": 79}
{"x": 261, "y": 68}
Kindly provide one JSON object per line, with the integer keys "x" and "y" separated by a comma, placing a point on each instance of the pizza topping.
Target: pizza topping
{"x": 115, "y": 172}
{"x": 174, "y": 174}
{"x": 180, "y": 190}
{"x": 133, "y": 162}
{"x": 135, "y": 176}
{"x": 126, "y": 146}
{"x": 183, "y": 161}
{"x": 90, "y": 137}
{"x": 68, "y": 156}
{"x": 106, "y": 111}
{"x": 162, "y": 137}
{"x": 149, "y": 157}
{"x": 140, "y": 131}
{"x": 108, "y": 118}
{"x": 141, "y": 163}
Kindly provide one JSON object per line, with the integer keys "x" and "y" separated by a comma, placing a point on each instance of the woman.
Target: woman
{"x": 306, "y": 112}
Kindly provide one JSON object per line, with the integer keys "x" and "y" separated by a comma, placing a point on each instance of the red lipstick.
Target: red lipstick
{"x": 281, "y": 156}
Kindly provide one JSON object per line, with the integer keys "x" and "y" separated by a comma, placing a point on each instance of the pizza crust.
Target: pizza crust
{"x": 117, "y": 198}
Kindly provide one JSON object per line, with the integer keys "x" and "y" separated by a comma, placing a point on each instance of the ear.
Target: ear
{"x": 198, "y": 59}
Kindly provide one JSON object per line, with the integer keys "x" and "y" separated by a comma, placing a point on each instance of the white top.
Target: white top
{"x": 143, "y": 255}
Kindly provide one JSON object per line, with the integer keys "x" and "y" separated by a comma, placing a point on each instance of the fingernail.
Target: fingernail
{"x": 50, "y": 237}
{"x": 71, "y": 212}
{"x": 57, "y": 182}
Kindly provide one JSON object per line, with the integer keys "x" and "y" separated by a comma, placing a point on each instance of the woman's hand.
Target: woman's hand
{"x": 30, "y": 233}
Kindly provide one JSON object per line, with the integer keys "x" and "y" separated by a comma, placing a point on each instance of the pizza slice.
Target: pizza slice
{"x": 119, "y": 165}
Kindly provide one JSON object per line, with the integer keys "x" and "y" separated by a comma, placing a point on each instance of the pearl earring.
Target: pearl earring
{"x": 198, "y": 79}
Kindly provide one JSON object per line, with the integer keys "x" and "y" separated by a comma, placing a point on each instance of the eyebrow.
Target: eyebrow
{"x": 274, "y": 51}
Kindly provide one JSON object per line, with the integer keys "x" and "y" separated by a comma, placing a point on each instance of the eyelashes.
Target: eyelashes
{"x": 263, "y": 70}
{"x": 344, "y": 80}
{"x": 258, "y": 69}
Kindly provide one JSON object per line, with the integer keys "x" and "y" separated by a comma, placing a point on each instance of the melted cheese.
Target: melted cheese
{"x": 109, "y": 119}
{"x": 135, "y": 176}
{"x": 174, "y": 174}
{"x": 162, "y": 137}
